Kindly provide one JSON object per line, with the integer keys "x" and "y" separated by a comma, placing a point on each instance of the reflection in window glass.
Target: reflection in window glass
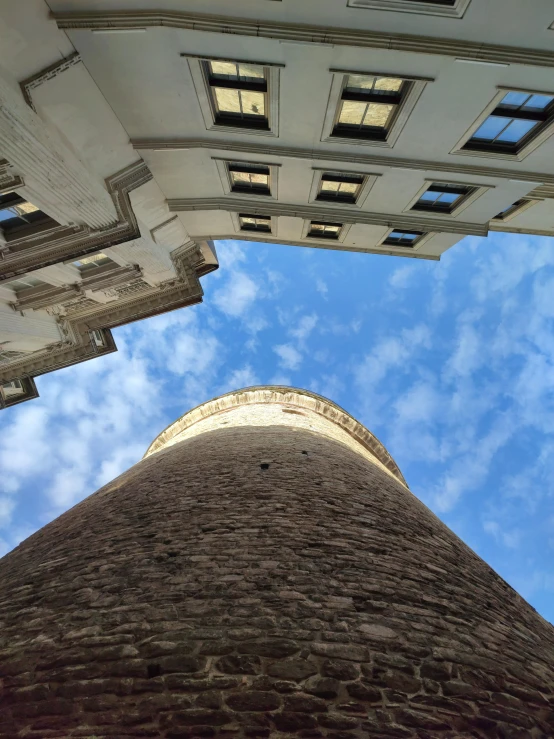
{"x": 368, "y": 105}
{"x": 403, "y": 238}
{"x": 442, "y": 197}
{"x": 249, "y": 178}
{"x": 322, "y": 230}
{"x": 340, "y": 187}
{"x": 254, "y": 223}
{"x": 512, "y": 124}
{"x": 239, "y": 93}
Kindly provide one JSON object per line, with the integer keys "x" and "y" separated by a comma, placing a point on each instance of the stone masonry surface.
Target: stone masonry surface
{"x": 264, "y": 582}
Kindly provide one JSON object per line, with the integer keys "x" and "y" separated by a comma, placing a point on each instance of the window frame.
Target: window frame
{"x": 416, "y": 85}
{"x": 345, "y": 227}
{"x": 457, "y": 10}
{"x": 222, "y": 164}
{"x": 198, "y": 66}
{"x": 414, "y": 246}
{"x": 517, "y": 208}
{"x": 369, "y": 179}
{"x": 242, "y": 214}
{"x": 530, "y": 141}
{"x": 39, "y": 221}
{"x": 475, "y": 192}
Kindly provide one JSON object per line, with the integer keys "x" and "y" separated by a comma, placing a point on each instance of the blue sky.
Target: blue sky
{"x": 450, "y": 364}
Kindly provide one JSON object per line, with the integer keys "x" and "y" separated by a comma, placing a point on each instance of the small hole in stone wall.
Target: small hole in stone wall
{"x": 296, "y": 413}
{"x": 306, "y": 453}
{"x": 153, "y": 670}
{"x": 264, "y": 466}
{"x": 172, "y": 554}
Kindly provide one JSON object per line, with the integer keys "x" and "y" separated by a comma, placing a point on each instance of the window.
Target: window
{"x": 97, "y": 338}
{"x": 23, "y": 283}
{"x": 18, "y": 214}
{"x": 255, "y": 223}
{"x": 515, "y": 209}
{"x": 403, "y": 238}
{"x": 15, "y": 387}
{"x": 324, "y": 230}
{"x": 93, "y": 262}
{"x": 249, "y": 178}
{"x": 368, "y": 106}
{"x": 238, "y": 93}
{"x": 516, "y": 120}
{"x": 442, "y": 198}
{"x": 337, "y": 187}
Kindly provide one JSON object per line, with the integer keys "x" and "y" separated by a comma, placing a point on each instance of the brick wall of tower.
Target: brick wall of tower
{"x": 200, "y": 594}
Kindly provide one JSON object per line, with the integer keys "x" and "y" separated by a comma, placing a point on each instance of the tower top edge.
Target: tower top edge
{"x": 286, "y": 396}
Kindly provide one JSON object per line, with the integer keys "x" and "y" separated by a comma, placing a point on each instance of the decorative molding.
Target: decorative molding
{"x": 62, "y": 243}
{"x": 48, "y": 73}
{"x": 329, "y": 244}
{"x": 309, "y": 34}
{"x": 360, "y": 158}
{"x": 136, "y": 300}
{"x": 410, "y": 6}
{"x": 323, "y": 211}
{"x": 235, "y": 60}
{"x": 542, "y": 191}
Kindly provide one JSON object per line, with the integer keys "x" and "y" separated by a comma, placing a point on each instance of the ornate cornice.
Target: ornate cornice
{"x": 309, "y": 212}
{"x": 333, "y": 36}
{"x": 404, "y": 252}
{"x": 83, "y": 316}
{"x": 287, "y": 396}
{"x": 62, "y": 243}
{"x": 325, "y": 155}
{"x": 48, "y": 73}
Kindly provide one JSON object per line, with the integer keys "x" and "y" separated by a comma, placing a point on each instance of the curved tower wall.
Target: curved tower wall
{"x": 264, "y": 581}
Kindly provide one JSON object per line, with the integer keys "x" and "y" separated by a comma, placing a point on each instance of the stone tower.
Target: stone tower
{"x": 265, "y": 572}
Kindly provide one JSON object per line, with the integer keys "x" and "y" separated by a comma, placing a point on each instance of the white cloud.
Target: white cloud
{"x": 194, "y": 353}
{"x": 509, "y": 539}
{"x": 68, "y": 486}
{"x": 403, "y": 276}
{"x": 289, "y": 357}
{"x": 303, "y": 327}
{"x": 420, "y": 404}
{"x": 7, "y": 507}
{"x": 237, "y": 295}
{"x": 321, "y": 287}
{"x": 239, "y": 378}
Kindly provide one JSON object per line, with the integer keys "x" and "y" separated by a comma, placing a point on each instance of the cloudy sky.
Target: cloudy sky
{"x": 450, "y": 364}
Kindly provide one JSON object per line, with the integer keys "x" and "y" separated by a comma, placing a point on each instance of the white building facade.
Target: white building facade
{"x": 133, "y": 133}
